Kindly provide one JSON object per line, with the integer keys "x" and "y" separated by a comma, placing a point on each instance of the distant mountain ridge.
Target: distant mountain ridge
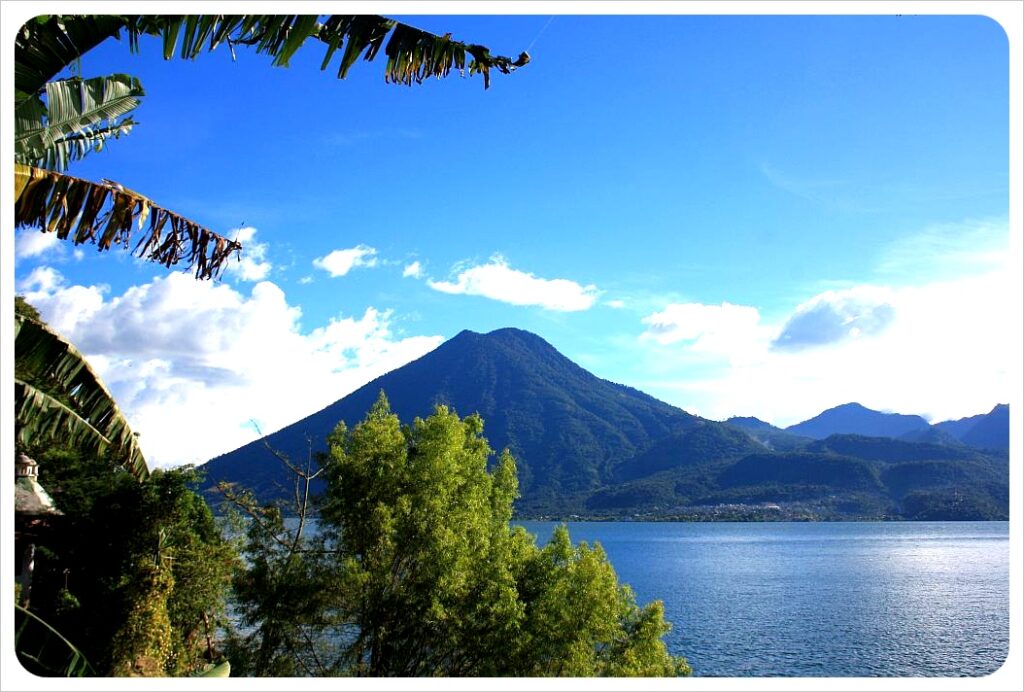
{"x": 767, "y": 434}
{"x": 987, "y": 431}
{"x": 752, "y": 423}
{"x": 590, "y": 447}
{"x": 983, "y": 431}
{"x": 854, "y": 419}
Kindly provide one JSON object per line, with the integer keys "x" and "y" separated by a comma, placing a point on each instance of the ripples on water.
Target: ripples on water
{"x": 887, "y": 599}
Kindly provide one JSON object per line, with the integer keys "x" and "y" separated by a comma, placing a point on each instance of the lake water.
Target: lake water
{"x": 887, "y": 599}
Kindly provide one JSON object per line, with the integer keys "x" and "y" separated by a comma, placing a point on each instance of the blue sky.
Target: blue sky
{"x": 759, "y": 216}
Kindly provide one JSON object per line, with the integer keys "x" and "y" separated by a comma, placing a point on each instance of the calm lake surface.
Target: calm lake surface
{"x": 889, "y": 599}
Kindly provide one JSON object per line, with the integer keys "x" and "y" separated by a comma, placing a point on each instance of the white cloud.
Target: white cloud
{"x": 253, "y": 265}
{"x": 191, "y": 363}
{"x": 414, "y": 270}
{"x": 947, "y": 350}
{"x": 617, "y": 304}
{"x": 33, "y": 243}
{"x": 837, "y": 315}
{"x": 726, "y": 329}
{"x": 341, "y": 262}
{"x": 306, "y": 280}
{"x": 42, "y": 279}
{"x": 498, "y": 281}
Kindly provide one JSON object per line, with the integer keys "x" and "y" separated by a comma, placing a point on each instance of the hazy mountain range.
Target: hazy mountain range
{"x": 589, "y": 447}
{"x": 984, "y": 431}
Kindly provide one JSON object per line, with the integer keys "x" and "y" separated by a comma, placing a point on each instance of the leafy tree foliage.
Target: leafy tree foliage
{"x": 24, "y": 308}
{"x": 143, "y": 644}
{"x": 135, "y": 574}
{"x": 438, "y": 582}
{"x": 286, "y": 599}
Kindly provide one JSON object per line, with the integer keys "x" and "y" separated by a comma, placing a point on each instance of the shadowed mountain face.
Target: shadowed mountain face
{"x": 751, "y": 423}
{"x": 775, "y": 439}
{"x": 986, "y": 431}
{"x": 565, "y": 426}
{"x": 854, "y": 419}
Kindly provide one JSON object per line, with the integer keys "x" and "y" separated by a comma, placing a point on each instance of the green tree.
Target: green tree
{"x": 287, "y": 597}
{"x": 441, "y": 584}
{"x": 126, "y": 555}
{"x": 142, "y": 647}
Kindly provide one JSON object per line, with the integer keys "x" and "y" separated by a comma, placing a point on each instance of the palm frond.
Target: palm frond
{"x": 78, "y": 115}
{"x": 109, "y": 214}
{"x": 75, "y": 146}
{"x": 211, "y": 670}
{"x": 413, "y": 54}
{"x": 42, "y": 420}
{"x": 58, "y": 397}
{"x": 48, "y": 44}
{"x": 43, "y": 650}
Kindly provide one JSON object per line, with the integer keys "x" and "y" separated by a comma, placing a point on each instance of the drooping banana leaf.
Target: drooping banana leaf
{"x": 76, "y": 118}
{"x": 75, "y": 146}
{"x": 219, "y": 670}
{"x": 43, "y": 650}
{"x": 109, "y": 214}
{"x": 59, "y": 398}
{"x": 48, "y": 44}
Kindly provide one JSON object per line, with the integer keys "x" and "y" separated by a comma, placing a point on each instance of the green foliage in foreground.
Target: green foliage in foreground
{"x": 136, "y": 575}
{"x": 133, "y": 576}
{"x": 421, "y": 574}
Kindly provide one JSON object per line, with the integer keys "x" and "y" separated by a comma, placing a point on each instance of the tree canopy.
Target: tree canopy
{"x": 440, "y": 582}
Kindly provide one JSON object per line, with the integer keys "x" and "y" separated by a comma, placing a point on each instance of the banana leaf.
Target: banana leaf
{"x": 48, "y": 44}
{"x": 43, "y": 651}
{"x": 60, "y": 399}
{"x": 109, "y": 214}
{"x": 219, "y": 670}
{"x": 78, "y": 116}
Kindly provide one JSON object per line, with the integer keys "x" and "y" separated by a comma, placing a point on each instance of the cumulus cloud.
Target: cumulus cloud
{"x": 617, "y": 304}
{"x": 341, "y": 262}
{"x": 945, "y": 349}
{"x": 34, "y": 243}
{"x": 498, "y": 281}
{"x": 41, "y": 280}
{"x": 837, "y": 315}
{"x": 253, "y": 266}
{"x": 194, "y": 363}
{"x": 415, "y": 270}
{"x": 724, "y": 329}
